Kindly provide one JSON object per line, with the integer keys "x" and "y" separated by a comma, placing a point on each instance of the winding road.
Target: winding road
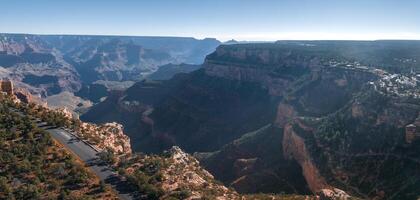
{"x": 90, "y": 157}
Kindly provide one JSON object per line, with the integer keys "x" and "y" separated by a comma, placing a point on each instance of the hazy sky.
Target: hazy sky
{"x": 222, "y": 19}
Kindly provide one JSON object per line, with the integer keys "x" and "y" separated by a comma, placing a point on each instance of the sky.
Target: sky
{"x": 252, "y": 20}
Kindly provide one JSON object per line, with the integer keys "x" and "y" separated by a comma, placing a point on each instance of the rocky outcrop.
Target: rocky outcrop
{"x": 65, "y": 112}
{"x": 412, "y": 132}
{"x": 333, "y": 194}
{"x": 107, "y": 136}
{"x": 19, "y": 94}
{"x": 25, "y": 96}
{"x": 6, "y": 86}
{"x": 185, "y": 172}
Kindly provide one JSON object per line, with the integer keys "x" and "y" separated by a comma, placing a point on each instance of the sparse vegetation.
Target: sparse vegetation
{"x": 34, "y": 166}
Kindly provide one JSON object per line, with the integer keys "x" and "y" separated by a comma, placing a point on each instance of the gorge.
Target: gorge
{"x": 294, "y": 116}
{"x": 326, "y": 118}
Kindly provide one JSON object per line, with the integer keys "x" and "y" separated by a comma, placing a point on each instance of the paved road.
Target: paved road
{"x": 90, "y": 156}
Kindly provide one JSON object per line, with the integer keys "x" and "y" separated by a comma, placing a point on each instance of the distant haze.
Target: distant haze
{"x": 262, "y": 20}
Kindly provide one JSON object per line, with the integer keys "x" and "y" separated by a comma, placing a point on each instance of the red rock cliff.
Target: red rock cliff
{"x": 294, "y": 148}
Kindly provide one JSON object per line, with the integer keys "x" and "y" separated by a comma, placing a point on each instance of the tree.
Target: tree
{"x": 108, "y": 156}
{"x": 4, "y": 186}
{"x": 103, "y": 187}
{"x": 78, "y": 175}
{"x": 63, "y": 194}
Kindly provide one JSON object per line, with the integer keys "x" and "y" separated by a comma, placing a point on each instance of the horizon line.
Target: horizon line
{"x": 223, "y": 39}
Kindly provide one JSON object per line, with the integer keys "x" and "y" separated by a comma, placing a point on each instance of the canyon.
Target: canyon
{"x": 292, "y": 116}
{"x": 327, "y": 118}
{"x": 51, "y": 64}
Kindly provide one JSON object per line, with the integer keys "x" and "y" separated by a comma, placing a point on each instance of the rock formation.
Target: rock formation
{"x": 109, "y": 136}
{"x": 6, "y": 86}
{"x": 19, "y": 94}
{"x": 412, "y": 133}
{"x": 333, "y": 194}
{"x": 185, "y": 172}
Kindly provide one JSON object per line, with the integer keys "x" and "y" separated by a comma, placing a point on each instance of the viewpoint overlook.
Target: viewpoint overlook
{"x": 210, "y": 100}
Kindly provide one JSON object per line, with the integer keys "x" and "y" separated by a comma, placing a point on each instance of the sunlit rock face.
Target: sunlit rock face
{"x": 107, "y": 136}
